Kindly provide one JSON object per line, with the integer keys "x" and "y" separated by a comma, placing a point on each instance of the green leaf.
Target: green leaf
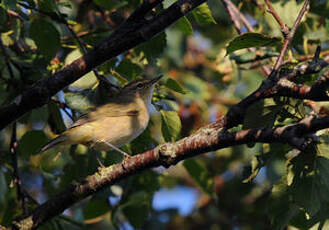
{"x": 10, "y": 4}
{"x": 173, "y": 85}
{"x": 153, "y": 48}
{"x": 287, "y": 11}
{"x": 46, "y": 37}
{"x": 251, "y": 57}
{"x": 170, "y": 125}
{"x": 323, "y": 146}
{"x": 327, "y": 26}
{"x": 322, "y": 165}
{"x": 110, "y": 4}
{"x": 55, "y": 118}
{"x": 184, "y": 25}
{"x": 40, "y": 114}
{"x": 7, "y": 40}
{"x": 280, "y": 210}
{"x": 48, "y": 5}
{"x": 3, "y": 187}
{"x": 309, "y": 186}
{"x": 249, "y": 40}
{"x": 78, "y": 101}
{"x": 31, "y": 142}
{"x": 136, "y": 208}
{"x": 146, "y": 181}
{"x": 307, "y": 194}
{"x": 95, "y": 208}
{"x": 320, "y": 7}
{"x": 259, "y": 115}
{"x": 143, "y": 141}
{"x": 128, "y": 69}
{"x": 202, "y": 14}
{"x": 200, "y": 175}
{"x": 88, "y": 80}
{"x": 3, "y": 20}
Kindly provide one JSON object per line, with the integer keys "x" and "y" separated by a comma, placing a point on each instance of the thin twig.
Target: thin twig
{"x": 86, "y": 33}
{"x": 16, "y": 178}
{"x": 7, "y": 58}
{"x": 290, "y": 36}
{"x": 271, "y": 10}
{"x": 15, "y": 14}
{"x": 235, "y": 15}
{"x": 13, "y": 142}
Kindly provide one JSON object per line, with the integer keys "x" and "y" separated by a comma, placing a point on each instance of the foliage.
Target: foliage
{"x": 207, "y": 68}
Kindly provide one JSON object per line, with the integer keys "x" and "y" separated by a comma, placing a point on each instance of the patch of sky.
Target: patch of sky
{"x": 181, "y": 198}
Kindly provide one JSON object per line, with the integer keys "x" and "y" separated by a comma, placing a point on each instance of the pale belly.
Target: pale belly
{"x": 117, "y": 131}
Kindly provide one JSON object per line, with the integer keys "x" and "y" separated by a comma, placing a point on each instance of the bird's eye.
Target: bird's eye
{"x": 140, "y": 86}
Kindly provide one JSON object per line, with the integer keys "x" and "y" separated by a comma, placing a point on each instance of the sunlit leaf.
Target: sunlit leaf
{"x": 170, "y": 125}
{"x": 88, "y": 80}
{"x": 202, "y": 14}
{"x": 184, "y": 25}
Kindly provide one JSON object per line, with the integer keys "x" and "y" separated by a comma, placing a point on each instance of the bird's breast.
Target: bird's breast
{"x": 119, "y": 130}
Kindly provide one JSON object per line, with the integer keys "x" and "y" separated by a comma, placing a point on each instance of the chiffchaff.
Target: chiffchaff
{"x": 114, "y": 124}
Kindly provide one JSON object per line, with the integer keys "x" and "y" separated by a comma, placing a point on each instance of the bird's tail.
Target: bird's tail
{"x": 58, "y": 140}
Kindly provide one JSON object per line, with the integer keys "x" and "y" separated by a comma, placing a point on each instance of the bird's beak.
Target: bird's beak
{"x": 155, "y": 80}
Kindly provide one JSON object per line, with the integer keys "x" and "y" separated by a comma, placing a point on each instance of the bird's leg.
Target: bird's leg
{"x": 126, "y": 155}
{"x": 99, "y": 162}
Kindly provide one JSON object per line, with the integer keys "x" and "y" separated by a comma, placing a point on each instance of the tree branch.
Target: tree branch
{"x": 209, "y": 138}
{"x": 270, "y": 88}
{"x": 134, "y": 31}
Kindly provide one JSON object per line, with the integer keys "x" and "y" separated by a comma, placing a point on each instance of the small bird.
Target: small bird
{"x": 114, "y": 124}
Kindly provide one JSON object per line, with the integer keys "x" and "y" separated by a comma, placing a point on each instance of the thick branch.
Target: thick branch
{"x": 134, "y": 31}
{"x": 209, "y": 138}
